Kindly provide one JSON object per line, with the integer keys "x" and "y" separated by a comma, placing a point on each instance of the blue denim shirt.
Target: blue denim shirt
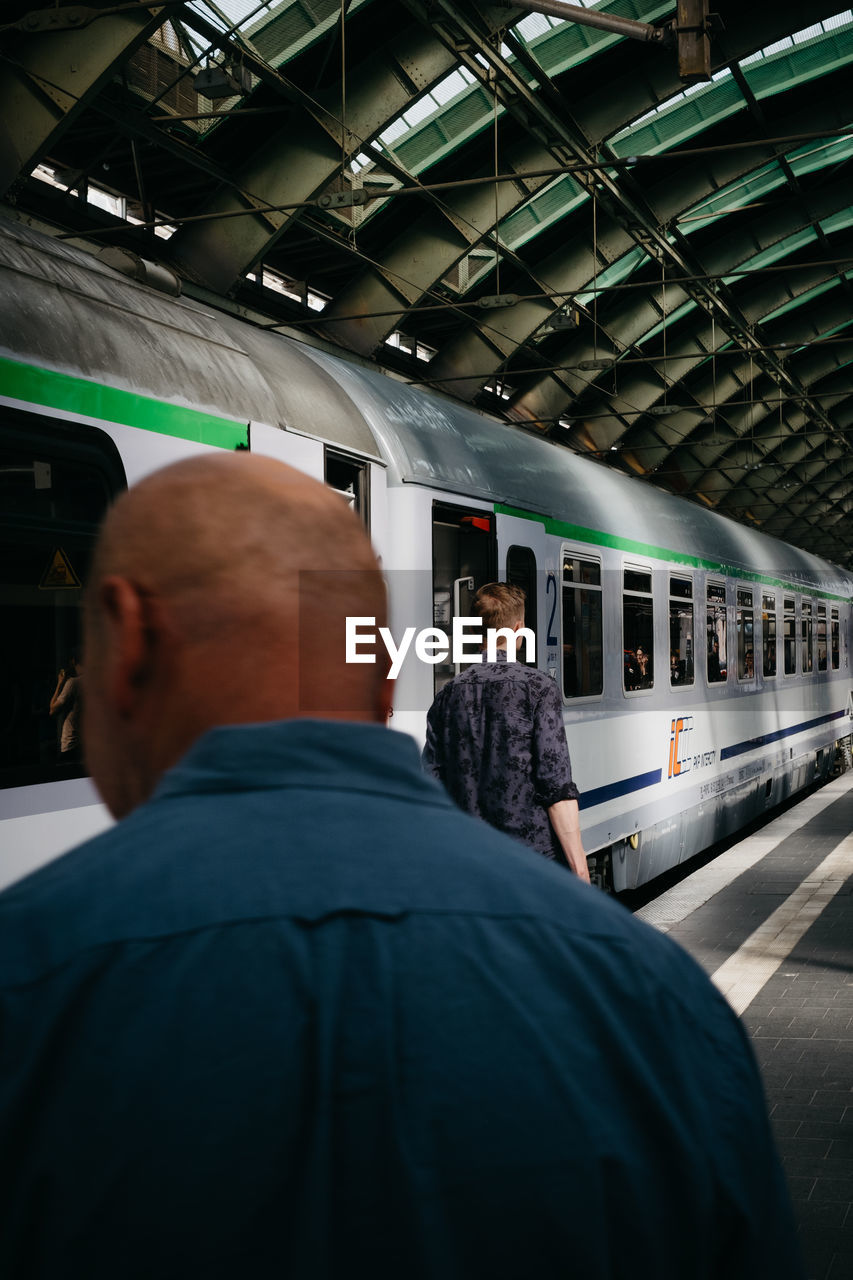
{"x": 495, "y": 739}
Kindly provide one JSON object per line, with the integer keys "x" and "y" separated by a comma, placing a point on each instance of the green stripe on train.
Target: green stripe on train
{"x": 577, "y": 533}
{"x": 109, "y": 404}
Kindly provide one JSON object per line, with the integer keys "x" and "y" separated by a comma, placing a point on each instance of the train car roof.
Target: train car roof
{"x": 447, "y": 446}
{"x": 64, "y": 309}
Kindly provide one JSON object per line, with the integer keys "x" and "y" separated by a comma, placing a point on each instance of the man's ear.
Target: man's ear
{"x": 131, "y": 620}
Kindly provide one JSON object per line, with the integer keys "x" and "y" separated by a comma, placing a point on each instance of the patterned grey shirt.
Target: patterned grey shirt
{"x": 495, "y": 739}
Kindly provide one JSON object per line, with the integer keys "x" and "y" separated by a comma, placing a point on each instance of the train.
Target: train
{"x": 704, "y": 667}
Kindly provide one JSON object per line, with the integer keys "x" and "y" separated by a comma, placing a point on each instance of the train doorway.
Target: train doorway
{"x": 464, "y": 558}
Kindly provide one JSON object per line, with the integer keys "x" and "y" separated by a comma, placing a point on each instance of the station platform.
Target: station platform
{"x": 771, "y": 920}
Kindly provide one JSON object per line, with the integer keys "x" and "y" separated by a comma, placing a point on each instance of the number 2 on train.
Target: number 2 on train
{"x": 551, "y": 581}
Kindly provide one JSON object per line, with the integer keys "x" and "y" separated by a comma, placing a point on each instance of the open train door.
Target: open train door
{"x": 464, "y": 558}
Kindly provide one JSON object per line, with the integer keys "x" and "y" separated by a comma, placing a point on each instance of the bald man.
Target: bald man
{"x": 206, "y": 577}
{"x": 296, "y": 1015}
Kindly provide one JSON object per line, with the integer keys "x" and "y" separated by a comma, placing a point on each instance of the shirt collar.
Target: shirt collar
{"x": 304, "y": 754}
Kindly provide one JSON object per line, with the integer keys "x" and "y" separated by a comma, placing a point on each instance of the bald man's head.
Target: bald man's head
{"x": 219, "y": 591}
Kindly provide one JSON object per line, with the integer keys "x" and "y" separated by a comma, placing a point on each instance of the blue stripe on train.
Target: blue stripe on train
{"x": 749, "y": 744}
{"x": 599, "y": 794}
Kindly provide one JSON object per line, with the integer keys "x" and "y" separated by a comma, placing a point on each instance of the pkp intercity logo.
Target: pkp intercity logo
{"x": 680, "y": 757}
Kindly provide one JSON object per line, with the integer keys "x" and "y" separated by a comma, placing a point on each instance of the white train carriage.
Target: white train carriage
{"x": 704, "y": 668}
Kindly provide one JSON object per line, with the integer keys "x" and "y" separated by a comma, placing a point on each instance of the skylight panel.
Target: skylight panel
{"x": 535, "y": 24}
{"x": 778, "y": 46}
{"x": 650, "y": 115}
{"x": 672, "y": 101}
{"x": 669, "y": 125}
{"x": 807, "y": 33}
{"x": 106, "y": 200}
{"x": 671, "y": 105}
{"x": 458, "y": 106}
{"x": 449, "y": 87}
{"x": 44, "y": 173}
{"x": 419, "y": 112}
{"x": 813, "y": 32}
{"x": 395, "y": 130}
{"x": 411, "y": 346}
{"x": 298, "y": 292}
{"x": 231, "y": 13}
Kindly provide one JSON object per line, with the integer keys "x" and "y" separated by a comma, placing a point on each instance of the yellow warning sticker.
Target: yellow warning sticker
{"x": 59, "y": 575}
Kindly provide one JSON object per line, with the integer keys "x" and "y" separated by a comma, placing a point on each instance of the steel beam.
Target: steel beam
{"x": 642, "y": 309}
{"x": 437, "y": 240}
{"x": 300, "y": 163}
{"x": 626, "y": 204}
{"x": 52, "y": 75}
{"x": 592, "y": 18}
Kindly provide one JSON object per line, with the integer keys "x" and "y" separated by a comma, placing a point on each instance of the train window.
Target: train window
{"x": 716, "y": 633}
{"x": 806, "y": 633}
{"x": 821, "y": 637}
{"x": 349, "y": 477}
{"x": 789, "y": 633}
{"x": 834, "y": 646}
{"x": 680, "y": 631}
{"x": 637, "y": 629}
{"x": 521, "y": 572}
{"x": 583, "y": 650}
{"x": 768, "y": 620}
{"x": 744, "y": 626}
{"x": 53, "y": 493}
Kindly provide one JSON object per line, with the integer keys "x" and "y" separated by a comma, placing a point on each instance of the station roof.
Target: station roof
{"x": 539, "y": 217}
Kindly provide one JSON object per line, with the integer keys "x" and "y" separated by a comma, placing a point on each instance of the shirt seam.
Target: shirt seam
{"x": 388, "y": 913}
{"x": 279, "y": 784}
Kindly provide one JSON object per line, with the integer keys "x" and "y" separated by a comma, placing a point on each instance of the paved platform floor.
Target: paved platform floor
{"x": 772, "y": 921}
